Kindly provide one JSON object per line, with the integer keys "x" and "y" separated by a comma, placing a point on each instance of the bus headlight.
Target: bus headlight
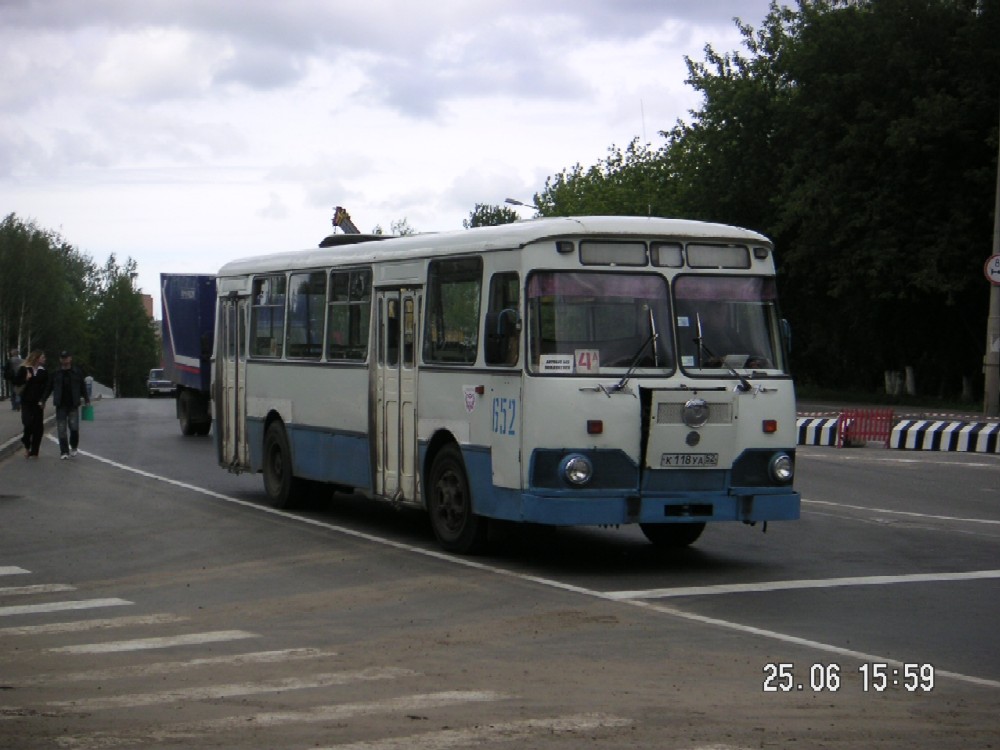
{"x": 577, "y": 470}
{"x": 695, "y": 412}
{"x": 781, "y": 468}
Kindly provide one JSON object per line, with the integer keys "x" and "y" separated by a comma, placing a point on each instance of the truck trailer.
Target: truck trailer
{"x": 188, "y": 302}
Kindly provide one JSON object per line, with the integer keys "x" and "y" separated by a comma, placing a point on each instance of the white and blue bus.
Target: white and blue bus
{"x": 564, "y": 371}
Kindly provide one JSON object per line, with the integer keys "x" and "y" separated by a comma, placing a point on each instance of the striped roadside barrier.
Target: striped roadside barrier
{"x": 931, "y": 435}
{"x": 912, "y": 434}
{"x": 817, "y": 430}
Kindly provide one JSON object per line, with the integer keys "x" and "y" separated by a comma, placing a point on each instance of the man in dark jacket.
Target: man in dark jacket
{"x": 67, "y": 392}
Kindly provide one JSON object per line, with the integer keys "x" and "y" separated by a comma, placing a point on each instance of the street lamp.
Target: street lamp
{"x": 516, "y": 202}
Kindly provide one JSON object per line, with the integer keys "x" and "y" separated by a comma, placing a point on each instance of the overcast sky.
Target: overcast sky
{"x": 187, "y": 133}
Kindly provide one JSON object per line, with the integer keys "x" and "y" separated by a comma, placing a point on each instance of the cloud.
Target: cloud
{"x": 175, "y": 129}
{"x": 276, "y": 208}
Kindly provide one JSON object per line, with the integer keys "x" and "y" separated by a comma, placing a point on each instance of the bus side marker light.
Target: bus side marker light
{"x": 769, "y": 426}
{"x": 480, "y": 390}
{"x": 595, "y": 427}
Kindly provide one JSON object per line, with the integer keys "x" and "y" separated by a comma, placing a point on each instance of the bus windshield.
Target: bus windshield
{"x": 728, "y": 322}
{"x": 583, "y": 323}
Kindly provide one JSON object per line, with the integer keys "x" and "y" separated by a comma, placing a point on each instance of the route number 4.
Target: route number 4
{"x": 588, "y": 360}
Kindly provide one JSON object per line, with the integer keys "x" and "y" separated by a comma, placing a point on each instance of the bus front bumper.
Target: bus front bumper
{"x": 749, "y": 505}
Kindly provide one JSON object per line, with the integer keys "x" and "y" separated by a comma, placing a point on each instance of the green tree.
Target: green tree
{"x": 861, "y": 135}
{"x": 397, "y": 228}
{"x": 125, "y": 345}
{"x": 634, "y": 181}
{"x": 488, "y": 215}
{"x": 45, "y": 290}
{"x": 887, "y": 185}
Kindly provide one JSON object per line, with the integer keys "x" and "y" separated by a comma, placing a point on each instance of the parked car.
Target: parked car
{"x": 156, "y": 384}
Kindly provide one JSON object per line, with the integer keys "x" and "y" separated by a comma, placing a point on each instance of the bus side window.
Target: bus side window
{"x": 267, "y": 320}
{"x": 451, "y": 323}
{"x": 349, "y": 315}
{"x": 306, "y": 300}
{"x": 503, "y": 320}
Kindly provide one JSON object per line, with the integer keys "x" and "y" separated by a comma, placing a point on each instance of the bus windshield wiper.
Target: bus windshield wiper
{"x": 653, "y": 336}
{"x": 744, "y": 385}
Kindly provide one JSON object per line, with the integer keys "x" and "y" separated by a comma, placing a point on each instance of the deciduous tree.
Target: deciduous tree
{"x": 861, "y": 135}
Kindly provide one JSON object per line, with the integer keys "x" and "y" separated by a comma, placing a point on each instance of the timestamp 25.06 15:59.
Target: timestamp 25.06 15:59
{"x": 782, "y": 677}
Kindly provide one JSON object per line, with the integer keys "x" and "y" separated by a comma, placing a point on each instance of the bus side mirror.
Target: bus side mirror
{"x": 502, "y": 328}
{"x": 786, "y": 334}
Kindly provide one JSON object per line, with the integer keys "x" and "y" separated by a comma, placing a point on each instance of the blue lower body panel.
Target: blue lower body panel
{"x": 321, "y": 455}
{"x": 706, "y": 497}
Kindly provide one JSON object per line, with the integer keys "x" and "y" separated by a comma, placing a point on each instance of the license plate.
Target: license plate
{"x": 670, "y": 460}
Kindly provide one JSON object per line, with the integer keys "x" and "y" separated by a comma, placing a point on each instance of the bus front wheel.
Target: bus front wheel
{"x": 279, "y": 483}
{"x": 672, "y": 535}
{"x": 449, "y": 502}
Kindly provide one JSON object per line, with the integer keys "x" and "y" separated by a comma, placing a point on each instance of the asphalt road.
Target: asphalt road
{"x": 150, "y": 599}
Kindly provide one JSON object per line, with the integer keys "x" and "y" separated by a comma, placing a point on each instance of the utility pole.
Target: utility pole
{"x": 991, "y": 362}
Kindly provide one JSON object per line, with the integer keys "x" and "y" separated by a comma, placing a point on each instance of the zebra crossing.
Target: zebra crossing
{"x": 121, "y": 702}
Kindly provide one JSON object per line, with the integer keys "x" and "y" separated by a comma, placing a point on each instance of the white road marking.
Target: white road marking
{"x": 31, "y": 609}
{"x": 143, "y": 644}
{"x": 910, "y": 514}
{"x": 40, "y": 588}
{"x": 913, "y": 461}
{"x": 216, "y": 692}
{"x": 174, "y": 667}
{"x": 820, "y": 583}
{"x": 83, "y": 625}
{"x": 11, "y": 570}
{"x": 347, "y": 710}
{"x": 318, "y": 714}
{"x": 548, "y": 582}
{"x": 501, "y": 731}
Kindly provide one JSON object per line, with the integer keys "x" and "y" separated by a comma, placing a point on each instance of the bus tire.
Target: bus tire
{"x": 672, "y": 535}
{"x": 280, "y": 484}
{"x": 449, "y": 503}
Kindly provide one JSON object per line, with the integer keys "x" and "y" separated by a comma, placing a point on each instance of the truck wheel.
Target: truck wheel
{"x": 449, "y": 502}
{"x": 672, "y": 535}
{"x": 184, "y": 412}
{"x": 280, "y": 484}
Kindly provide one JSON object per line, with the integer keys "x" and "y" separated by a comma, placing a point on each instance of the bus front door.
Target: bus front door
{"x": 231, "y": 387}
{"x": 395, "y": 394}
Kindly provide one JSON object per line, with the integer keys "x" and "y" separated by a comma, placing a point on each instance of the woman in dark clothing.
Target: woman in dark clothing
{"x": 35, "y": 379}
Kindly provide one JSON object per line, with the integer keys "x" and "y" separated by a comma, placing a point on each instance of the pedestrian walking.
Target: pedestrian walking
{"x": 33, "y": 376}
{"x": 14, "y": 363}
{"x": 68, "y": 390}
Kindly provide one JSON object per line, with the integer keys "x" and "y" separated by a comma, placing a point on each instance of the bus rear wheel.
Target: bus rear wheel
{"x": 672, "y": 535}
{"x": 449, "y": 502}
{"x": 279, "y": 483}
